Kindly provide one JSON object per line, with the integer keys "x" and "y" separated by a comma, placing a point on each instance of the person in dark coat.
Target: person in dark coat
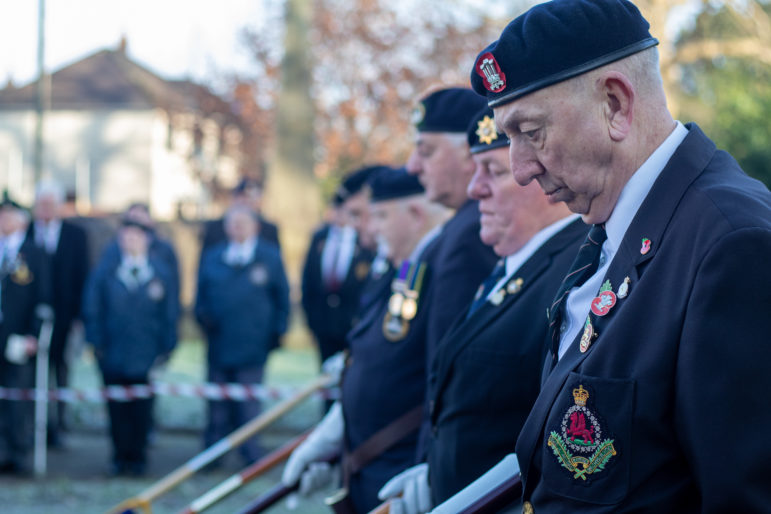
{"x": 130, "y": 316}
{"x": 248, "y": 192}
{"x": 337, "y": 266}
{"x": 160, "y": 248}
{"x": 23, "y": 288}
{"x": 384, "y": 381}
{"x": 474, "y": 422}
{"x": 442, "y": 162}
{"x": 654, "y": 391}
{"x": 242, "y": 305}
{"x": 66, "y": 248}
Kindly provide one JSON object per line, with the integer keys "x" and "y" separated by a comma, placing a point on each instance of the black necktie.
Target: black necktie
{"x": 498, "y": 273}
{"x": 584, "y": 266}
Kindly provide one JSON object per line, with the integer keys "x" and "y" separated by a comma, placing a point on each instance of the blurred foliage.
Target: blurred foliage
{"x": 730, "y": 97}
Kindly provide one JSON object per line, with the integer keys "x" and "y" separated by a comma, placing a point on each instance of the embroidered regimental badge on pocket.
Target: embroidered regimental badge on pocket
{"x": 579, "y": 446}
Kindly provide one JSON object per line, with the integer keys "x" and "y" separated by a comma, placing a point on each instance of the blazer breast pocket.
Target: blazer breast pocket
{"x": 587, "y": 440}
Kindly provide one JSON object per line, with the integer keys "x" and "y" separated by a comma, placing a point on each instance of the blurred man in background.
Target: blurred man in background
{"x": 247, "y": 193}
{"x": 66, "y": 248}
{"x": 23, "y": 287}
{"x": 338, "y": 264}
{"x": 131, "y": 322}
{"x": 242, "y": 305}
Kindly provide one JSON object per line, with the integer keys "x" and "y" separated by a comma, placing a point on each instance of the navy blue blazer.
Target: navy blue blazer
{"x": 21, "y": 291}
{"x": 461, "y": 263}
{"x": 130, "y": 328}
{"x": 384, "y": 380}
{"x": 242, "y": 309}
{"x": 668, "y": 409}
{"x": 68, "y": 270}
{"x": 487, "y": 370}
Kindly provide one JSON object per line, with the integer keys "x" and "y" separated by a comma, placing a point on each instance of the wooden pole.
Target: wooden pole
{"x": 144, "y": 499}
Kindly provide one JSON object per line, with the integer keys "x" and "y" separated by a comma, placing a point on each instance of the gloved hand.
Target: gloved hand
{"x": 334, "y": 366}
{"x": 326, "y": 439}
{"x": 412, "y": 484}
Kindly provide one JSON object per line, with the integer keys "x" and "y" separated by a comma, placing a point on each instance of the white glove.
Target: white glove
{"x": 412, "y": 484}
{"x": 326, "y": 439}
{"x": 334, "y": 366}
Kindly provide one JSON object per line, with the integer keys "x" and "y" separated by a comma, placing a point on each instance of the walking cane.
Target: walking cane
{"x": 45, "y": 313}
{"x": 144, "y": 499}
{"x": 245, "y": 476}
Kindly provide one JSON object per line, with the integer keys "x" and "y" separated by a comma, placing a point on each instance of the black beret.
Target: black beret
{"x": 555, "y": 41}
{"x": 446, "y": 110}
{"x": 389, "y": 184}
{"x": 246, "y": 183}
{"x": 482, "y": 134}
{"x": 356, "y": 180}
{"x": 8, "y": 203}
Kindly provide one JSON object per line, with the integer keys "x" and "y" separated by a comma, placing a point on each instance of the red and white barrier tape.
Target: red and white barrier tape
{"x": 209, "y": 391}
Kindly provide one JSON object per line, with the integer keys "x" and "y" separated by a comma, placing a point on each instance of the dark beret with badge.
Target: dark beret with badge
{"x": 8, "y": 203}
{"x": 390, "y": 184}
{"x": 446, "y": 110}
{"x": 355, "y": 181}
{"x": 482, "y": 134}
{"x": 555, "y": 41}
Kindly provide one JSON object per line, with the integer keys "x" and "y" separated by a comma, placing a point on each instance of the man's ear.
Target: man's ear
{"x": 619, "y": 97}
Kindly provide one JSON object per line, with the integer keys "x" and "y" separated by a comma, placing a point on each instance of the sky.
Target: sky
{"x": 193, "y": 39}
{"x": 196, "y": 39}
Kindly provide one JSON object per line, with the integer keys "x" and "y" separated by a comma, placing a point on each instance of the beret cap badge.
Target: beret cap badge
{"x": 486, "y": 131}
{"x": 418, "y": 113}
{"x": 492, "y": 77}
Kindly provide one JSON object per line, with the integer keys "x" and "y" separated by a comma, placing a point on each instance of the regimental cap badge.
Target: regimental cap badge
{"x": 492, "y": 77}
{"x": 486, "y": 131}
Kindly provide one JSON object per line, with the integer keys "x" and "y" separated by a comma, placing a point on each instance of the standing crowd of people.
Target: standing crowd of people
{"x": 561, "y": 271}
{"x": 127, "y": 306}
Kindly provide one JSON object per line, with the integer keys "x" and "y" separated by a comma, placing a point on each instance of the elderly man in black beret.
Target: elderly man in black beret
{"x": 442, "y": 162}
{"x": 472, "y": 420}
{"x": 665, "y": 310}
{"x": 383, "y": 389}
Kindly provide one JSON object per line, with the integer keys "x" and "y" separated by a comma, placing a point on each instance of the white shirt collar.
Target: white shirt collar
{"x": 638, "y": 187}
{"x": 579, "y": 300}
{"x": 515, "y": 261}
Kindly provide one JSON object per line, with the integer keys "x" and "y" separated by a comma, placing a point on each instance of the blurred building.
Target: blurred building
{"x": 117, "y": 133}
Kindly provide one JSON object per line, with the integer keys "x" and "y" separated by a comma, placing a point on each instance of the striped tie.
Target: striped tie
{"x": 584, "y": 266}
{"x": 498, "y": 273}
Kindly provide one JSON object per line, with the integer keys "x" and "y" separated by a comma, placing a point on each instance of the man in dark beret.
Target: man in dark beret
{"x": 376, "y": 421}
{"x": 337, "y": 265}
{"x": 472, "y": 420}
{"x": 665, "y": 310}
{"x": 442, "y": 161}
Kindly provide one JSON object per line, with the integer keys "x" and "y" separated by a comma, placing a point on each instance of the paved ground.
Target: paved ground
{"x": 77, "y": 480}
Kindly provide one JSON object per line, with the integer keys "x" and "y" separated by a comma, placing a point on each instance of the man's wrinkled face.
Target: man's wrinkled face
{"x": 559, "y": 138}
{"x": 509, "y": 214}
{"x": 443, "y": 165}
